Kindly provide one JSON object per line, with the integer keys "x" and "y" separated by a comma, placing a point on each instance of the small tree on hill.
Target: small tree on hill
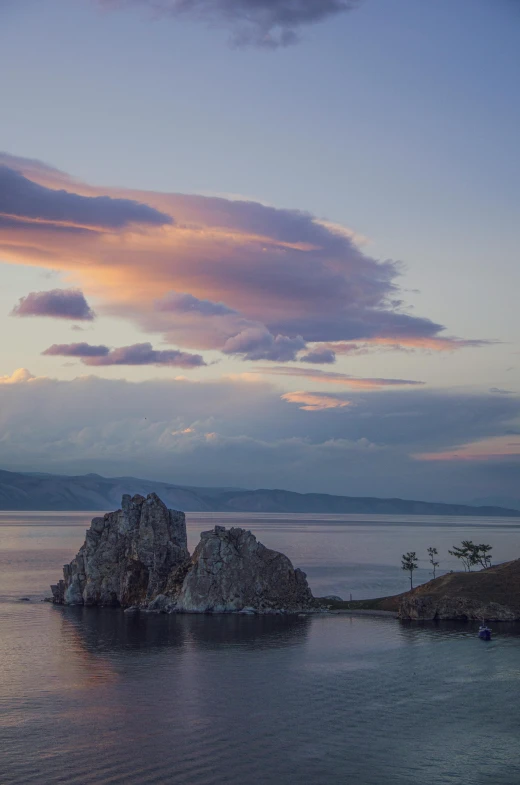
{"x": 432, "y": 553}
{"x": 471, "y": 554}
{"x": 409, "y": 564}
{"x": 483, "y": 555}
{"x": 466, "y": 553}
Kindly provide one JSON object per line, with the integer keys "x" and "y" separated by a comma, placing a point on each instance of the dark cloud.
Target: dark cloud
{"x": 57, "y": 303}
{"x": 21, "y": 198}
{"x": 268, "y": 23}
{"x": 76, "y": 350}
{"x": 355, "y": 323}
{"x": 180, "y": 302}
{"x": 137, "y": 354}
{"x": 257, "y": 343}
{"x": 319, "y": 356}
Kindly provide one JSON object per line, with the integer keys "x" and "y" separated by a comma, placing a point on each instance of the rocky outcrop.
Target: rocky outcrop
{"x": 128, "y": 557}
{"x": 233, "y": 572}
{"x": 492, "y": 594}
{"x": 137, "y": 557}
{"x": 456, "y": 608}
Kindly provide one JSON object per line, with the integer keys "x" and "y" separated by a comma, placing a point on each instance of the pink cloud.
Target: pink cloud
{"x": 314, "y": 402}
{"x": 331, "y": 377}
{"x": 212, "y": 273}
{"x": 483, "y": 450}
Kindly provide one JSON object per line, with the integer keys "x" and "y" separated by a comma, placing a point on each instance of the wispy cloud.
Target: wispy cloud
{"x": 330, "y": 377}
{"x": 56, "y": 303}
{"x": 267, "y": 23}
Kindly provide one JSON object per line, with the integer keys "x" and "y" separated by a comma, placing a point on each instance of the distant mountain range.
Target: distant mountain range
{"x": 35, "y": 491}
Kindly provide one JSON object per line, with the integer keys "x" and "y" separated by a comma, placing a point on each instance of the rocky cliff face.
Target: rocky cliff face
{"x": 128, "y": 557}
{"x": 492, "y": 594}
{"x": 138, "y": 556}
{"x": 232, "y": 571}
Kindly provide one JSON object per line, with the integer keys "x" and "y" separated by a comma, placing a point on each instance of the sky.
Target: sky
{"x": 263, "y": 243}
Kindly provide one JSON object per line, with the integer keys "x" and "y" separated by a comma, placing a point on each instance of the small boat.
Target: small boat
{"x": 484, "y": 633}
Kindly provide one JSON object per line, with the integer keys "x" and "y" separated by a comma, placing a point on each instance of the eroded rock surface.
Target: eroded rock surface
{"x": 232, "y": 571}
{"x": 128, "y": 558}
{"x": 137, "y": 557}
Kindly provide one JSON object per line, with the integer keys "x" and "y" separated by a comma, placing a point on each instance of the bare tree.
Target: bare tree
{"x": 409, "y": 564}
{"x": 432, "y": 553}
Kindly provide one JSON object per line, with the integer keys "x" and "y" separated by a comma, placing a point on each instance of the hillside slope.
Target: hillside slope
{"x": 493, "y": 594}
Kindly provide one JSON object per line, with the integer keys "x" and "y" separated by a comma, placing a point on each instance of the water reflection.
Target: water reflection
{"x": 102, "y": 630}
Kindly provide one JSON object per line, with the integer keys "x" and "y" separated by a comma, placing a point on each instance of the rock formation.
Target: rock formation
{"x": 128, "y": 557}
{"x": 138, "y": 557}
{"x": 232, "y": 571}
{"x": 492, "y": 594}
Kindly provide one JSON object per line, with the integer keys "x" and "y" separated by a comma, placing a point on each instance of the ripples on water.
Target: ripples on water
{"x": 99, "y": 696}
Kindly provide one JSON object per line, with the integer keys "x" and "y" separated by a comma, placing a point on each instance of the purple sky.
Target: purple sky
{"x": 281, "y": 235}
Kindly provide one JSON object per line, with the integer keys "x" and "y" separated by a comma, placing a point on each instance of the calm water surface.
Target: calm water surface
{"x": 99, "y": 696}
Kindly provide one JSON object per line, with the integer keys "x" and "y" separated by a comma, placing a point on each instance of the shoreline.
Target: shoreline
{"x": 361, "y": 612}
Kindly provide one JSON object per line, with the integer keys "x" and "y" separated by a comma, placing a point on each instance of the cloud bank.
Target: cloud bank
{"x": 57, "y": 303}
{"x": 267, "y": 23}
{"x": 238, "y": 277}
{"x": 236, "y": 432}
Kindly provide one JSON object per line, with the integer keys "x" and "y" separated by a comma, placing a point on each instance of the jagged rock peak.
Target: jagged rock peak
{"x": 129, "y": 556}
{"x": 232, "y": 571}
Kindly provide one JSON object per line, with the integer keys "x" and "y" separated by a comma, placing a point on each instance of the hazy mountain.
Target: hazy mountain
{"x": 497, "y": 501}
{"x": 38, "y": 491}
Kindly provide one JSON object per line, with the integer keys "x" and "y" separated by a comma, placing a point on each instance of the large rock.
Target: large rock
{"x": 128, "y": 558}
{"x": 233, "y": 572}
{"x": 137, "y": 557}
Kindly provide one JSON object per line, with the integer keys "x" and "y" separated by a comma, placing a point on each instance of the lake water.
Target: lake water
{"x": 99, "y": 696}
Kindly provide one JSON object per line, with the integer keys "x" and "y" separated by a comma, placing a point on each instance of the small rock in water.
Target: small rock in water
{"x": 25, "y": 599}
